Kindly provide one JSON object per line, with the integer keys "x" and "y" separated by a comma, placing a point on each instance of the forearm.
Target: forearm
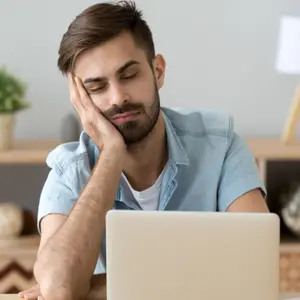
{"x": 74, "y": 248}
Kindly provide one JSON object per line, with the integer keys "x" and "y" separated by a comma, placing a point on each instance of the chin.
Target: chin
{"x": 137, "y": 131}
{"x": 130, "y": 141}
{"x": 135, "y": 137}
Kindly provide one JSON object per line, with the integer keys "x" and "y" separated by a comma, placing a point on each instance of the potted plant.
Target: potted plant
{"x": 12, "y": 100}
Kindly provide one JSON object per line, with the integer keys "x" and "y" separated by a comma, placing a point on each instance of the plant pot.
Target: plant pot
{"x": 6, "y": 131}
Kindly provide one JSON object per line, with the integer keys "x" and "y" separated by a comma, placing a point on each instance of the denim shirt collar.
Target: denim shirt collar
{"x": 177, "y": 153}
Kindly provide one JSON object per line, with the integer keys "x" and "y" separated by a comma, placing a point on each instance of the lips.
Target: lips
{"x": 122, "y": 118}
{"x": 125, "y": 115}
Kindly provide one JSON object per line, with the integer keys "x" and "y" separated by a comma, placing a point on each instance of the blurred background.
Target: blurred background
{"x": 220, "y": 55}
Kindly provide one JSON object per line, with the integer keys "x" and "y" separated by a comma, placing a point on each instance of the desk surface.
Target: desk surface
{"x": 282, "y": 297}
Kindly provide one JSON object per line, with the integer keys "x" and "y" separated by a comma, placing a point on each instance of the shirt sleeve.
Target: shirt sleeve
{"x": 100, "y": 269}
{"x": 57, "y": 198}
{"x": 239, "y": 173}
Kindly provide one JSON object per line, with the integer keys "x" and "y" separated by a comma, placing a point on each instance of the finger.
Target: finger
{"x": 22, "y": 293}
{"x": 74, "y": 94}
{"x": 32, "y": 295}
{"x": 84, "y": 96}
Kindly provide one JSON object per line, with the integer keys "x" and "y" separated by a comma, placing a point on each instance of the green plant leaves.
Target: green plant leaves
{"x": 12, "y": 92}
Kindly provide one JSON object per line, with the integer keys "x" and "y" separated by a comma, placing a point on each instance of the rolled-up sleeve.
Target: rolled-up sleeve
{"x": 239, "y": 173}
{"x": 56, "y": 197}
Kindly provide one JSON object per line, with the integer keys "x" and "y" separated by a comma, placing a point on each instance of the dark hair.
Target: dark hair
{"x": 98, "y": 24}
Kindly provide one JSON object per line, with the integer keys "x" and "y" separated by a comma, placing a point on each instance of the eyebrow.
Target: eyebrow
{"x": 119, "y": 71}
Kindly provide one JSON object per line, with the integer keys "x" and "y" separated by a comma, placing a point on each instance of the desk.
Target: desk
{"x": 16, "y": 297}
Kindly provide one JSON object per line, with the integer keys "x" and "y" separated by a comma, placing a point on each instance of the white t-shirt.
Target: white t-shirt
{"x": 148, "y": 199}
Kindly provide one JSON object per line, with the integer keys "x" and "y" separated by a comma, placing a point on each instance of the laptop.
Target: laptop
{"x": 164, "y": 255}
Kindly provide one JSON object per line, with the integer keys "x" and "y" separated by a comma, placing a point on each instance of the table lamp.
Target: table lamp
{"x": 288, "y": 62}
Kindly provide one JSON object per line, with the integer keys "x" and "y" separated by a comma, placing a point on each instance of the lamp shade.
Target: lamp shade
{"x": 288, "y": 52}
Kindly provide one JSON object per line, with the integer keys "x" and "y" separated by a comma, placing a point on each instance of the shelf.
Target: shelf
{"x": 28, "y": 152}
{"x": 19, "y": 243}
{"x": 36, "y": 151}
{"x": 273, "y": 149}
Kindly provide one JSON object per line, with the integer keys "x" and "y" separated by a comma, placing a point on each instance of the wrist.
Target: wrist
{"x": 113, "y": 152}
{"x": 116, "y": 146}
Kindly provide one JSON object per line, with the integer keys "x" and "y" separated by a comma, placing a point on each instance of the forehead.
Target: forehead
{"x": 106, "y": 59}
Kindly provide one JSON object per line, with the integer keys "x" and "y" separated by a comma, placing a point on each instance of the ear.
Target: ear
{"x": 159, "y": 67}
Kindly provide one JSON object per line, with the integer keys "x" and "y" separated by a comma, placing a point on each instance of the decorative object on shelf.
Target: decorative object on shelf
{"x": 11, "y": 220}
{"x": 288, "y": 62}
{"x": 290, "y": 272}
{"x": 12, "y": 93}
{"x": 70, "y": 128}
{"x": 290, "y": 210}
{"x": 17, "y": 258}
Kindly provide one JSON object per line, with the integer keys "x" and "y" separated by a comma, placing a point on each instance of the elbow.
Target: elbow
{"x": 55, "y": 283}
{"x": 58, "y": 294}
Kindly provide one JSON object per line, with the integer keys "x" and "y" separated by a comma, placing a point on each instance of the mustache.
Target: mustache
{"x": 127, "y": 107}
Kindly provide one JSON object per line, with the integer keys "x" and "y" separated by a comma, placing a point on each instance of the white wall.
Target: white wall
{"x": 220, "y": 55}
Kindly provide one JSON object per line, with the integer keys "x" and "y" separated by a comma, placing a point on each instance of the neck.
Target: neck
{"x": 146, "y": 159}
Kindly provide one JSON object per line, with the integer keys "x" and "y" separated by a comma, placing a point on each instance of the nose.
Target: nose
{"x": 118, "y": 95}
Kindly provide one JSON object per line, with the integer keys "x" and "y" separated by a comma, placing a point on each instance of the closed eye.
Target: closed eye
{"x": 129, "y": 76}
{"x": 103, "y": 86}
{"x": 98, "y": 89}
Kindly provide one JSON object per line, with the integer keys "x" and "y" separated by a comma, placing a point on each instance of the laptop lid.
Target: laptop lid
{"x": 163, "y": 255}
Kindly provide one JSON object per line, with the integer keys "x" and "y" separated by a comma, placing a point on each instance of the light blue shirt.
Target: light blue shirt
{"x": 209, "y": 166}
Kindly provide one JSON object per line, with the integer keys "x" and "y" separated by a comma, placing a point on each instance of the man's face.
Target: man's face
{"x": 123, "y": 86}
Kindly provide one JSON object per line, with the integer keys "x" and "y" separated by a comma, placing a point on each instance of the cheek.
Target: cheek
{"x": 142, "y": 91}
{"x": 99, "y": 102}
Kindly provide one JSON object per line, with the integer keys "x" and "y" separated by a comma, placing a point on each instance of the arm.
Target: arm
{"x": 240, "y": 187}
{"x": 49, "y": 225}
{"x": 74, "y": 248}
{"x": 251, "y": 201}
{"x": 69, "y": 273}
{"x": 97, "y": 289}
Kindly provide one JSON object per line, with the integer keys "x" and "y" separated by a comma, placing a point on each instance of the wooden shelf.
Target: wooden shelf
{"x": 36, "y": 151}
{"x": 20, "y": 243}
{"x": 273, "y": 149}
{"x": 28, "y": 152}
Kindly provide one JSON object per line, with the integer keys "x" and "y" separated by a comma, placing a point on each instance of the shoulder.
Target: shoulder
{"x": 199, "y": 122}
{"x": 81, "y": 152}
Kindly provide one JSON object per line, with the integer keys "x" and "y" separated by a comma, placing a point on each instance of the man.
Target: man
{"x": 133, "y": 154}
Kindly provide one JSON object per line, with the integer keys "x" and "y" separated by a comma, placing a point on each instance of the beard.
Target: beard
{"x": 135, "y": 131}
